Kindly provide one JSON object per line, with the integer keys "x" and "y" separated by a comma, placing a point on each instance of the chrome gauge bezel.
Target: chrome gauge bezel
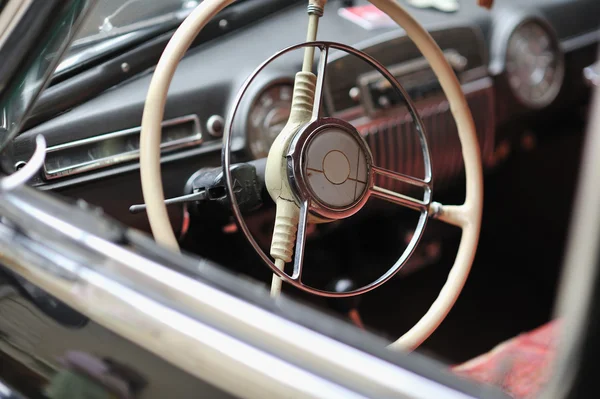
{"x": 555, "y": 86}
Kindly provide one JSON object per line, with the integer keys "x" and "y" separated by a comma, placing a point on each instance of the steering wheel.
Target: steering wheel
{"x": 343, "y": 178}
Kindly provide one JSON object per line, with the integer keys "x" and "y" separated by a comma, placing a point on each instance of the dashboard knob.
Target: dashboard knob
{"x": 343, "y": 305}
{"x": 354, "y": 94}
{"x": 215, "y": 125}
{"x": 384, "y": 102}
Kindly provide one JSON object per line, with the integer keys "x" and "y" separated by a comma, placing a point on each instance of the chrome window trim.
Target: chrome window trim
{"x": 125, "y": 291}
{"x": 194, "y": 139}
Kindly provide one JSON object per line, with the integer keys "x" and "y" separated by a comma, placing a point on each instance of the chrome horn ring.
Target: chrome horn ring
{"x": 424, "y": 206}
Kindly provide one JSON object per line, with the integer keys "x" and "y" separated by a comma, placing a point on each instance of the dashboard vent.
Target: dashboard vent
{"x": 111, "y": 149}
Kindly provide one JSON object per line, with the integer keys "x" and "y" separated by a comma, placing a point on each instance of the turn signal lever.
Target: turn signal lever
{"x": 208, "y": 184}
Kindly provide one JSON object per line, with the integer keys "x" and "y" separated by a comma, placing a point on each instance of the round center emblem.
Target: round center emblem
{"x": 336, "y": 168}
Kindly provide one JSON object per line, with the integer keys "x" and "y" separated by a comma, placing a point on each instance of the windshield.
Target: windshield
{"x": 115, "y": 24}
{"x": 33, "y": 57}
{"x": 111, "y": 18}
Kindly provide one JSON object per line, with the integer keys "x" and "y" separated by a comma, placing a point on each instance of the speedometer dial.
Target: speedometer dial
{"x": 268, "y": 115}
{"x": 534, "y": 64}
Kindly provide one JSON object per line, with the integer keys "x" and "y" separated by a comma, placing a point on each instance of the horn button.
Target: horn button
{"x": 334, "y": 172}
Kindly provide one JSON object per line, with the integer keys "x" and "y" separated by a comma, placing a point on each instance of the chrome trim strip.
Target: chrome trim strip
{"x": 175, "y": 156}
{"x": 3, "y": 119}
{"x": 194, "y": 139}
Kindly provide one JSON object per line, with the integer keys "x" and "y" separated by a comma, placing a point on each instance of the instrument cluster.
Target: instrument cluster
{"x": 268, "y": 115}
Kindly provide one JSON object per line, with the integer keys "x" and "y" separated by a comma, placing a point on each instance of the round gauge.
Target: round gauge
{"x": 534, "y": 64}
{"x": 268, "y": 115}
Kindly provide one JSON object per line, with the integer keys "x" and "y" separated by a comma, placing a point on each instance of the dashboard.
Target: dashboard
{"x": 513, "y": 62}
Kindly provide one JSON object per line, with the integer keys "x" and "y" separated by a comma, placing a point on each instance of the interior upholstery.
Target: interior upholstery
{"x": 521, "y": 366}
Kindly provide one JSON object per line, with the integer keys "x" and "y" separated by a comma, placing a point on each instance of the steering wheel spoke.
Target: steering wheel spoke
{"x": 456, "y": 215}
{"x": 399, "y": 198}
{"x": 300, "y": 242}
{"x": 318, "y": 103}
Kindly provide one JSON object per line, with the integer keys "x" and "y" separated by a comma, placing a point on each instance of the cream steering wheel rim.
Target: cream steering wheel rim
{"x": 466, "y": 216}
